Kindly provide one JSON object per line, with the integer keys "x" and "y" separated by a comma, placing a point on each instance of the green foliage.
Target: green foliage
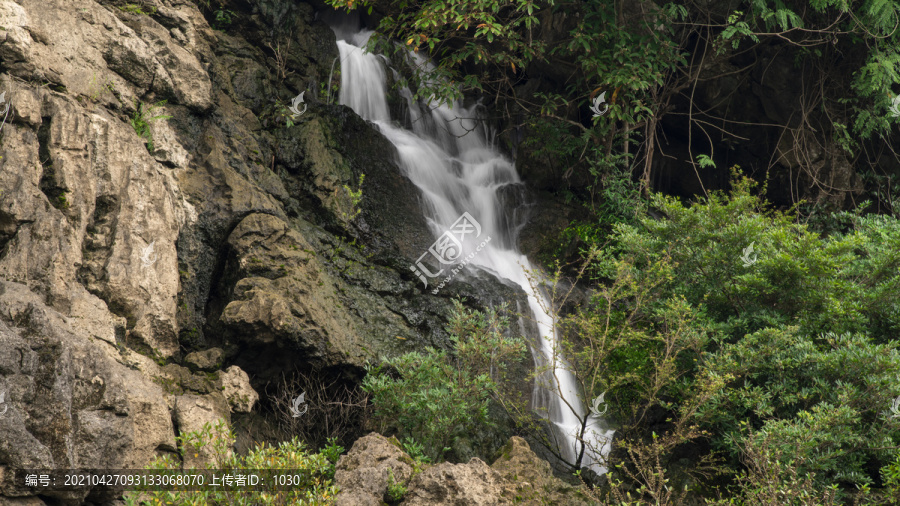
{"x": 137, "y": 9}
{"x": 704, "y": 161}
{"x": 789, "y": 364}
{"x": 483, "y": 343}
{"x": 223, "y": 17}
{"x": 354, "y": 198}
{"x": 734, "y": 30}
{"x": 627, "y": 61}
{"x": 317, "y": 470}
{"x": 618, "y": 196}
{"x": 890, "y": 475}
{"x": 395, "y": 490}
{"x": 415, "y": 450}
{"x": 634, "y": 342}
{"x": 819, "y": 402}
{"x": 141, "y": 119}
{"x": 436, "y": 397}
{"x": 484, "y": 34}
{"x": 795, "y": 278}
{"x": 768, "y": 480}
{"x": 424, "y": 404}
{"x": 630, "y": 62}
{"x": 332, "y": 452}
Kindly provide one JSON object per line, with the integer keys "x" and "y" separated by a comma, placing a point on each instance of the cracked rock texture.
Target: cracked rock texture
{"x": 517, "y": 477}
{"x": 168, "y": 244}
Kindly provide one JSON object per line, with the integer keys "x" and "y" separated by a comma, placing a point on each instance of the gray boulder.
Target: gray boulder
{"x": 206, "y": 360}
{"x": 518, "y": 476}
{"x": 363, "y": 474}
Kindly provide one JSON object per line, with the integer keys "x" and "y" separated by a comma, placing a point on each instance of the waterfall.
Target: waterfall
{"x": 448, "y": 156}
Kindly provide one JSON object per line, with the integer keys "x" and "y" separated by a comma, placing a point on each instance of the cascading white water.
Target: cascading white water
{"x": 448, "y": 157}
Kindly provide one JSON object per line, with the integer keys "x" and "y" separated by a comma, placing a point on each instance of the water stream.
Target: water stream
{"x": 448, "y": 156}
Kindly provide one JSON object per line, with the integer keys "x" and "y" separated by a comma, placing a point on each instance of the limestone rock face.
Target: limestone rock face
{"x": 517, "y": 477}
{"x": 196, "y": 413}
{"x": 364, "y": 472}
{"x": 160, "y": 222}
{"x": 532, "y": 478}
{"x": 236, "y": 388}
{"x": 71, "y": 400}
{"x": 206, "y": 360}
{"x": 472, "y": 483}
{"x": 88, "y": 211}
{"x": 284, "y": 295}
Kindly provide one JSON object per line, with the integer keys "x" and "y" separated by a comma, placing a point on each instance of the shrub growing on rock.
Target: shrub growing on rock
{"x": 438, "y": 397}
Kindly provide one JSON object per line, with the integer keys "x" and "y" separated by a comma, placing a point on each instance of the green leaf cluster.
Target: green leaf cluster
{"x": 438, "y": 397}
{"x": 803, "y": 337}
{"x": 215, "y": 441}
{"x": 141, "y": 119}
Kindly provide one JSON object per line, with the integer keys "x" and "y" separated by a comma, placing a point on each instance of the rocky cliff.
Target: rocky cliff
{"x": 517, "y": 476}
{"x": 172, "y": 238}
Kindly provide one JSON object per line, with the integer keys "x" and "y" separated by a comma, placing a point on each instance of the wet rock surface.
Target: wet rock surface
{"x": 169, "y": 244}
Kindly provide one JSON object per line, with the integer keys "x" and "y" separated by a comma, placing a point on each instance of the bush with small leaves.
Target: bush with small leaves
{"x": 733, "y": 334}
{"x": 316, "y": 470}
{"x": 437, "y": 396}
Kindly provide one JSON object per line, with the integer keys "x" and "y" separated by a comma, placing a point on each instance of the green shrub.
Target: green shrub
{"x": 768, "y": 480}
{"x": 395, "y": 490}
{"x": 786, "y": 364}
{"x": 348, "y": 206}
{"x": 838, "y": 283}
{"x": 415, "y": 450}
{"x": 317, "y": 468}
{"x": 816, "y": 401}
{"x": 890, "y": 475}
{"x": 436, "y": 397}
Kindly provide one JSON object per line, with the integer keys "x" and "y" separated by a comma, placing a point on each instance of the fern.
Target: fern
{"x": 143, "y": 116}
{"x": 882, "y": 14}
